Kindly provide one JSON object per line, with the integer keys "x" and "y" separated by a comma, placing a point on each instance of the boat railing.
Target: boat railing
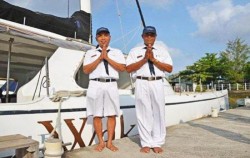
{"x": 243, "y": 86}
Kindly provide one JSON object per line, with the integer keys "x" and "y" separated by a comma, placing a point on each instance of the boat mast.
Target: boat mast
{"x": 139, "y": 8}
{"x": 85, "y": 5}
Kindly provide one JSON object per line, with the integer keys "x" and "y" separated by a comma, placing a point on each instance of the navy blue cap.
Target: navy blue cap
{"x": 149, "y": 29}
{"x": 102, "y": 29}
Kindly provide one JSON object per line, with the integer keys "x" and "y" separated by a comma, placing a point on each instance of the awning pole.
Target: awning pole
{"x": 8, "y": 70}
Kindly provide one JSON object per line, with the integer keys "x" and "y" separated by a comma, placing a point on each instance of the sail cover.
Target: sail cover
{"x": 77, "y": 26}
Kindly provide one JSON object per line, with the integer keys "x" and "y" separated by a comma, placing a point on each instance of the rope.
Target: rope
{"x": 60, "y": 96}
{"x": 64, "y": 93}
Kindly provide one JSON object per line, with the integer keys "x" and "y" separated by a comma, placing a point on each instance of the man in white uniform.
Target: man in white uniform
{"x": 148, "y": 64}
{"x": 103, "y": 64}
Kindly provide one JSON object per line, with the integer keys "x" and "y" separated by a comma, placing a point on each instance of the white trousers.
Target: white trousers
{"x": 102, "y": 99}
{"x": 150, "y": 112}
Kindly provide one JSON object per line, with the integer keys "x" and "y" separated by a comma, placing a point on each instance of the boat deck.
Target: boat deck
{"x": 225, "y": 136}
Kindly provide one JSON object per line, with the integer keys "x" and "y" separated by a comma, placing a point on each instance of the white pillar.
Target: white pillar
{"x": 85, "y": 5}
{"x": 200, "y": 86}
{"x": 180, "y": 83}
{"x": 24, "y": 20}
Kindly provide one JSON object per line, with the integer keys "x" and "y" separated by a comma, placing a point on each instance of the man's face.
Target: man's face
{"x": 149, "y": 38}
{"x": 103, "y": 39}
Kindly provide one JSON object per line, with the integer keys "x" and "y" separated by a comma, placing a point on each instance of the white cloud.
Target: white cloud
{"x": 222, "y": 21}
{"x": 180, "y": 59}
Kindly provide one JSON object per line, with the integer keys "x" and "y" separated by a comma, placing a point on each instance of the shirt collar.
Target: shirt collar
{"x": 145, "y": 47}
{"x": 100, "y": 49}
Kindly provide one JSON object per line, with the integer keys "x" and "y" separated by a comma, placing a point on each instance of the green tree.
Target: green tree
{"x": 205, "y": 70}
{"x": 234, "y": 59}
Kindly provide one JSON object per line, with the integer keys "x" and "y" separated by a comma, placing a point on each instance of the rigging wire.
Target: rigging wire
{"x": 136, "y": 32}
{"x": 120, "y": 21}
{"x": 134, "y": 35}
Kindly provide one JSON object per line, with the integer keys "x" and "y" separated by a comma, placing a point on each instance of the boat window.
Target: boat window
{"x": 13, "y": 86}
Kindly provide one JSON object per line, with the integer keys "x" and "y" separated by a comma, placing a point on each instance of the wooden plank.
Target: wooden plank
{"x": 16, "y": 142}
{"x": 11, "y": 137}
{"x": 20, "y": 143}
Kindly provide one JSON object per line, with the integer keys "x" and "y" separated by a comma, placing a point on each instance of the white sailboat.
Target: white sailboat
{"x": 35, "y": 112}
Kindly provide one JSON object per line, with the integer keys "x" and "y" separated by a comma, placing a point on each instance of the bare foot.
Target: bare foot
{"x": 112, "y": 147}
{"x": 157, "y": 150}
{"x": 145, "y": 149}
{"x": 100, "y": 147}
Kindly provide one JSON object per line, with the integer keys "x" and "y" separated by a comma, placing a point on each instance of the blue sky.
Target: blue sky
{"x": 189, "y": 28}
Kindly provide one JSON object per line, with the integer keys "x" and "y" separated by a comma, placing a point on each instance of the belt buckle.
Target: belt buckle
{"x": 102, "y": 80}
{"x": 151, "y": 78}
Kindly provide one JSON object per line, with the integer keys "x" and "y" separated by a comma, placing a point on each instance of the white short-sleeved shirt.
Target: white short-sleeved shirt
{"x": 99, "y": 72}
{"x": 138, "y": 53}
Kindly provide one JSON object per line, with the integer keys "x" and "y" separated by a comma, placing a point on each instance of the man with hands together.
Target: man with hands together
{"x": 103, "y": 65}
{"x": 148, "y": 65}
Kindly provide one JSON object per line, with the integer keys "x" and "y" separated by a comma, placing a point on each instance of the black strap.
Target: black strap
{"x": 106, "y": 64}
{"x": 151, "y": 67}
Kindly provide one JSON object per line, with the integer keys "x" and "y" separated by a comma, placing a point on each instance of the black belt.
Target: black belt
{"x": 149, "y": 78}
{"x": 104, "y": 79}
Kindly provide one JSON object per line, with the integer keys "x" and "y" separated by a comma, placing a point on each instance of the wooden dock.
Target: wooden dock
{"x": 225, "y": 136}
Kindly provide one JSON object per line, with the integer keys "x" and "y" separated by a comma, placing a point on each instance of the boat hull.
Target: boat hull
{"x": 37, "y": 119}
